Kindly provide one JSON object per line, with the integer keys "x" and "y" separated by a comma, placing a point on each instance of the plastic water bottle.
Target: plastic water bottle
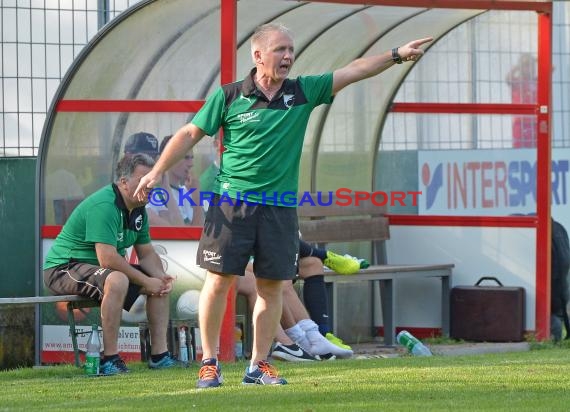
{"x": 93, "y": 355}
{"x": 239, "y": 342}
{"x": 182, "y": 346}
{"x": 415, "y": 347}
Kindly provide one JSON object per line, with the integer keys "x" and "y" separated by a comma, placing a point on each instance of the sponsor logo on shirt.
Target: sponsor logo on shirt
{"x": 248, "y": 117}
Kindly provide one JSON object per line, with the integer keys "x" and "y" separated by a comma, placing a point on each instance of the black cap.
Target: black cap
{"x": 142, "y": 142}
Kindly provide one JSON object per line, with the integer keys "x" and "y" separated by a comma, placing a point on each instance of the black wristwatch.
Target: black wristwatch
{"x": 396, "y": 58}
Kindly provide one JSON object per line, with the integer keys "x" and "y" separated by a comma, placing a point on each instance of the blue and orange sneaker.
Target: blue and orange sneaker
{"x": 210, "y": 374}
{"x": 264, "y": 374}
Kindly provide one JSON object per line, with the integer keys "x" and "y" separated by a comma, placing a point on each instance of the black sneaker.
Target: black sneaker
{"x": 327, "y": 356}
{"x": 292, "y": 353}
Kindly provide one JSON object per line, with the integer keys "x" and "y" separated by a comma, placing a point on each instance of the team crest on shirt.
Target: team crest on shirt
{"x": 138, "y": 223}
{"x": 289, "y": 100}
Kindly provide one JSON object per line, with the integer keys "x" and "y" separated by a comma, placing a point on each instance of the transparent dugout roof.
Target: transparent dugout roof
{"x": 170, "y": 50}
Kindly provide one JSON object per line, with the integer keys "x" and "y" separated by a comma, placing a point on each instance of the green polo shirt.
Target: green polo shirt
{"x": 263, "y": 139}
{"x": 100, "y": 218}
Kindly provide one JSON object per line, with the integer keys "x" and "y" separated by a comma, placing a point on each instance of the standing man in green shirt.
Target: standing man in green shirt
{"x": 264, "y": 118}
{"x": 88, "y": 258}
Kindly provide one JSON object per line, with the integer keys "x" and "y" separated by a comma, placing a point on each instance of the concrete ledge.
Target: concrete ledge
{"x": 377, "y": 350}
{"x": 479, "y": 348}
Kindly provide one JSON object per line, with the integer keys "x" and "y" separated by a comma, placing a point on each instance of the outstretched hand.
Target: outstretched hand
{"x": 146, "y": 183}
{"x": 411, "y": 51}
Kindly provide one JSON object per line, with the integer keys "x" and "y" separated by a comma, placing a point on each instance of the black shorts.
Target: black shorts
{"x": 84, "y": 279}
{"x": 235, "y": 232}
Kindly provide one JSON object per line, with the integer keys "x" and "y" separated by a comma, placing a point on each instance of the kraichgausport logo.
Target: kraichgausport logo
{"x": 340, "y": 197}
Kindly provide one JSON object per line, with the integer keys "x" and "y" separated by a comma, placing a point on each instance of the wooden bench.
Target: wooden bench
{"x": 324, "y": 219}
{"x": 73, "y": 302}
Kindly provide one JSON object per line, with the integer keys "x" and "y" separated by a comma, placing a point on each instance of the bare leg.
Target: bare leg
{"x": 295, "y": 309}
{"x": 304, "y": 331}
{"x": 287, "y": 318}
{"x": 158, "y": 315}
{"x": 246, "y": 287}
{"x": 310, "y": 266}
{"x": 281, "y": 337}
{"x": 114, "y": 292}
{"x": 266, "y": 316}
{"x": 211, "y": 311}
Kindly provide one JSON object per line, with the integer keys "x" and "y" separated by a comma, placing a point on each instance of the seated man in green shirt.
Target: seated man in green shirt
{"x": 88, "y": 258}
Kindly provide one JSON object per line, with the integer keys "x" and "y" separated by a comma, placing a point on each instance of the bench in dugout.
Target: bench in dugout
{"x": 80, "y": 302}
{"x": 328, "y": 219}
{"x": 73, "y": 302}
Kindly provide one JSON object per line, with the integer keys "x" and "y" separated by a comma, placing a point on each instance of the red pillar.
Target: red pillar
{"x": 228, "y": 30}
{"x": 543, "y": 179}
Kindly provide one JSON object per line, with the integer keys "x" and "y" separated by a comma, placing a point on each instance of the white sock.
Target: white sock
{"x": 307, "y": 324}
{"x": 319, "y": 345}
{"x": 252, "y": 367}
{"x": 298, "y": 336}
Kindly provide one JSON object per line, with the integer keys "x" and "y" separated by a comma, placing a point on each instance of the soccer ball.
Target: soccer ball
{"x": 187, "y": 305}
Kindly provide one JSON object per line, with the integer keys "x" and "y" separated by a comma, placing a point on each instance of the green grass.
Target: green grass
{"x": 522, "y": 381}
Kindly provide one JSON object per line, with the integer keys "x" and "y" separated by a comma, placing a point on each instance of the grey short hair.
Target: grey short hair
{"x": 128, "y": 164}
{"x": 259, "y": 36}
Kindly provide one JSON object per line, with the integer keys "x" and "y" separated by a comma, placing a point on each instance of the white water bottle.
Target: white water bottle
{"x": 93, "y": 354}
{"x": 414, "y": 346}
{"x": 182, "y": 346}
